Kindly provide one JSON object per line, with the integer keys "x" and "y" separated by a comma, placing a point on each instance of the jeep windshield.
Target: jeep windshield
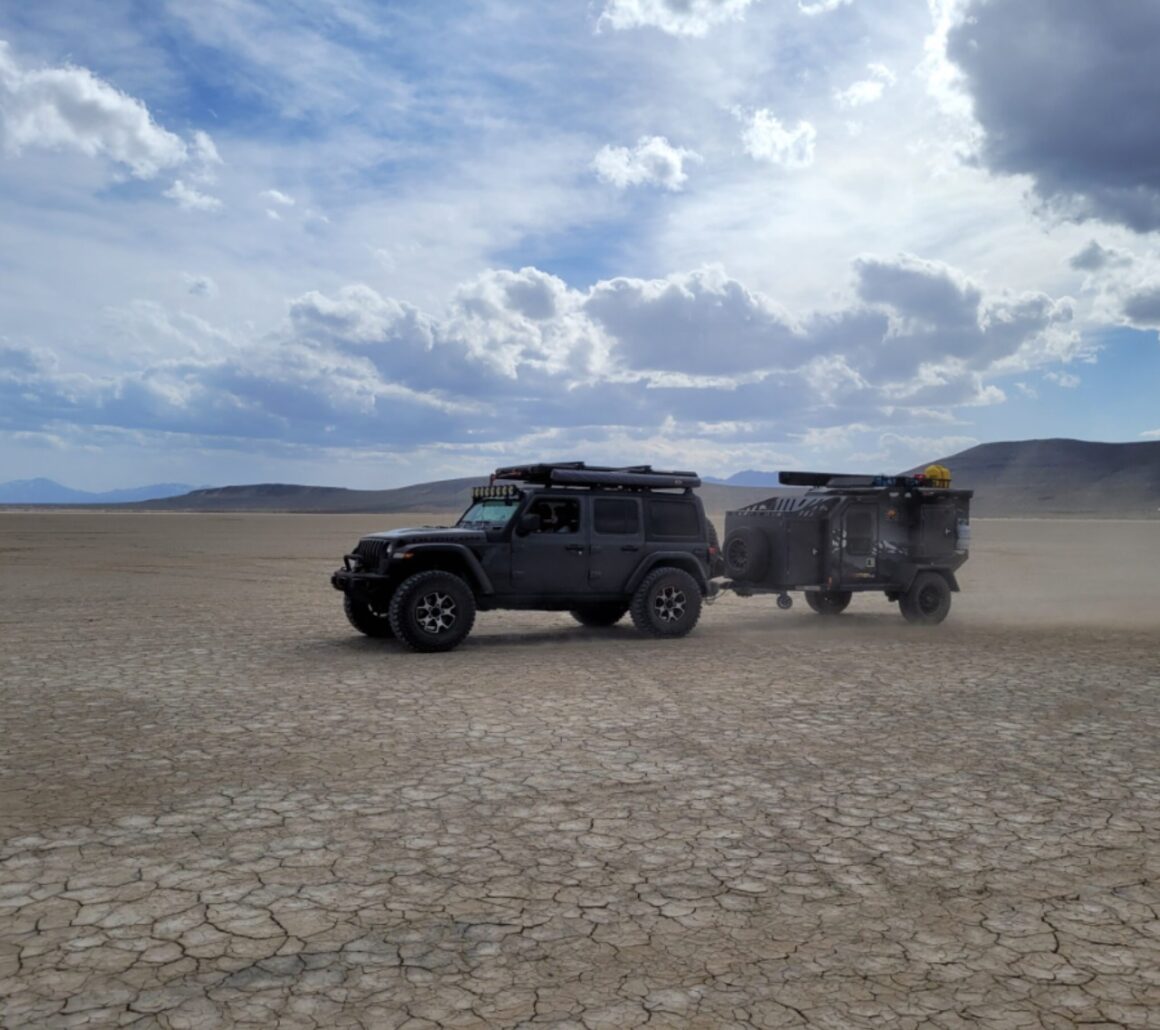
{"x": 491, "y": 512}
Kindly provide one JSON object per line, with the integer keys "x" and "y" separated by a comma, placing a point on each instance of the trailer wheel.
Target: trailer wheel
{"x": 928, "y": 600}
{"x": 746, "y": 553}
{"x": 828, "y": 602}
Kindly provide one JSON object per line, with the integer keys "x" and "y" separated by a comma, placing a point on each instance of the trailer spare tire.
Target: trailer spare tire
{"x": 746, "y": 553}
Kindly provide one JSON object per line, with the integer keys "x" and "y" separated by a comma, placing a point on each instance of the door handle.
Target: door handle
{"x": 630, "y": 547}
{"x": 575, "y": 547}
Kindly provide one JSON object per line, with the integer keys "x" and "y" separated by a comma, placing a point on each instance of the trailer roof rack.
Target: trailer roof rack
{"x": 845, "y": 481}
{"x": 576, "y": 473}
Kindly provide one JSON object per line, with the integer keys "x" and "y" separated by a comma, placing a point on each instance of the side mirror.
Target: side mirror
{"x": 528, "y": 524}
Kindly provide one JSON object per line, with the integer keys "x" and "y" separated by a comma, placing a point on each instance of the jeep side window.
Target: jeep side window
{"x": 616, "y": 516}
{"x": 557, "y": 514}
{"x": 673, "y": 518}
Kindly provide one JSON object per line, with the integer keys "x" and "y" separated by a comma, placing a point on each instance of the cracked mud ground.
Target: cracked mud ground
{"x": 222, "y": 807}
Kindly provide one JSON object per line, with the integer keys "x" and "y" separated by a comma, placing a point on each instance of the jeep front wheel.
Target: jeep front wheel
{"x": 432, "y": 611}
{"x": 667, "y": 603}
{"x": 370, "y": 617}
{"x": 597, "y": 615}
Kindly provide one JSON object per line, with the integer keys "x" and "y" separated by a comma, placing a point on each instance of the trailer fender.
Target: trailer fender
{"x": 907, "y": 579}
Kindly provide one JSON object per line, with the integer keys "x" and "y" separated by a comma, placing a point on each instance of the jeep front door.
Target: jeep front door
{"x": 553, "y": 561}
{"x": 617, "y": 543}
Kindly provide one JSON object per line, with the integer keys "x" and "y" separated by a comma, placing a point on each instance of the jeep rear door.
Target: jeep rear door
{"x": 617, "y": 543}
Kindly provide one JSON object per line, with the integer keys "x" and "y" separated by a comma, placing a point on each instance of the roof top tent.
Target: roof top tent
{"x": 578, "y": 474}
{"x": 902, "y": 535}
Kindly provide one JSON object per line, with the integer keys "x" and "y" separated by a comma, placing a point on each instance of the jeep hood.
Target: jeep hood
{"x": 429, "y": 534}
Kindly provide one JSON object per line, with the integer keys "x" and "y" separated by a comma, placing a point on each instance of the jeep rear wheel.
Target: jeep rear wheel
{"x": 432, "y": 611}
{"x": 928, "y": 600}
{"x": 828, "y": 602}
{"x": 371, "y": 617}
{"x": 596, "y": 615}
{"x": 667, "y": 603}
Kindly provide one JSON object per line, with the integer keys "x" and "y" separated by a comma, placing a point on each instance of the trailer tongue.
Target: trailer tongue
{"x": 902, "y": 535}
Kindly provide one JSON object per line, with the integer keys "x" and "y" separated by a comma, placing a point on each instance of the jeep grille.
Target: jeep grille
{"x": 371, "y": 553}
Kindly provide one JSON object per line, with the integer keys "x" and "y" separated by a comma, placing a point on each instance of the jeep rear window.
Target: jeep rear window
{"x": 678, "y": 519}
{"x": 617, "y": 516}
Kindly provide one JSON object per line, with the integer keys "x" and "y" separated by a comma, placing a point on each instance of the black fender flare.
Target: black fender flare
{"x": 481, "y": 580}
{"x": 677, "y": 559}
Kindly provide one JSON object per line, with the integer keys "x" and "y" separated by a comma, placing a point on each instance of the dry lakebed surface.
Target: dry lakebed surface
{"x": 219, "y": 806}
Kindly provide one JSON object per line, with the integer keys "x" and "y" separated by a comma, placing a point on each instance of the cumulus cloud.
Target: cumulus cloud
{"x": 652, "y": 161}
{"x": 699, "y": 323}
{"x": 199, "y": 285}
{"x": 1142, "y": 306}
{"x": 677, "y": 17}
{"x": 943, "y": 322}
{"x": 812, "y": 7}
{"x": 520, "y": 352}
{"x": 1094, "y": 258}
{"x": 765, "y": 138}
{"x": 1067, "y": 380}
{"x": 70, "y": 108}
{"x": 188, "y": 198}
{"x": 866, "y": 91}
{"x": 1151, "y": 434}
{"x": 278, "y": 197}
{"x": 1066, "y": 93}
{"x": 204, "y": 151}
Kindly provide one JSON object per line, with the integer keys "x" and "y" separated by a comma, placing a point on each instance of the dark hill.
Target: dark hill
{"x": 444, "y": 495}
{"x": 447, "y": 495}
{"x": 1060, "y": 477}
{"x": 1016, "y": 479}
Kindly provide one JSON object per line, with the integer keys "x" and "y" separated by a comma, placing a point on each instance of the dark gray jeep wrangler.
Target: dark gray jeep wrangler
{"x": 597, "y": 542}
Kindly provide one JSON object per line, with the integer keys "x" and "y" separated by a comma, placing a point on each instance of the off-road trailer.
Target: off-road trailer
{"x": 904, "y": 536}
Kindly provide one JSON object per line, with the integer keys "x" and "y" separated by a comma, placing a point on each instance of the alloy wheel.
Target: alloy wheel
{"x": 436, "y": 612}
{"x": 669, "y": 604}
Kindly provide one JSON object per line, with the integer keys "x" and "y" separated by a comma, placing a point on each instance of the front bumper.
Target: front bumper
{"x": 351, "y": 582}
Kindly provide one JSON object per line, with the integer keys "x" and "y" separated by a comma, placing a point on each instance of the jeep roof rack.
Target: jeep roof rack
{"x": 576, "y": 473}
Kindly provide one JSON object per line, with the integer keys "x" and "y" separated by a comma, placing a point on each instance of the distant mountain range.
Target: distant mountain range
{"x": 46, "y": 491}
{"x": 1020, "y": 478}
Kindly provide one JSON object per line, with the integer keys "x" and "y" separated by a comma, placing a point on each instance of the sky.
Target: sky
{"x": 366, "y": 243}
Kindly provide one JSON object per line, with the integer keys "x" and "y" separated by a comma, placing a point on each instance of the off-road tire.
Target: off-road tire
{"x": 746, "y": 554}
{"x": 928, "y": 600}
{"x": 432, "y": 611}
{"x": 828, "y": 602}
{"x": 372, "y": 618}
{"x": 667, "y": 603}
{"x": 599, "y": 615}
